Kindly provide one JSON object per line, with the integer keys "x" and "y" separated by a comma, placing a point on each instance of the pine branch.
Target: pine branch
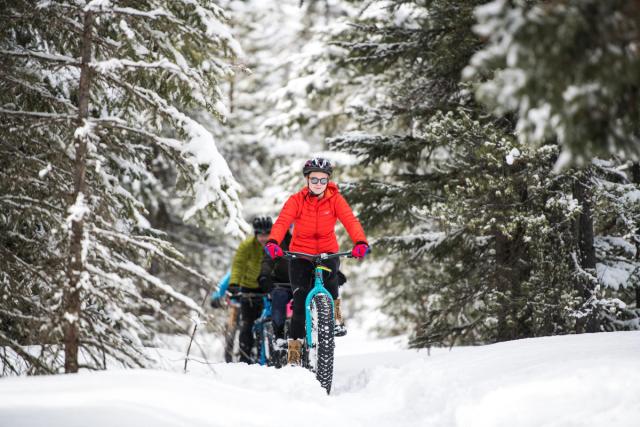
{"x": 39, "y": 115}
{"x": 17, "y": 348}
{"x": 41, "y": 91}
{"x": 41, "y": 56}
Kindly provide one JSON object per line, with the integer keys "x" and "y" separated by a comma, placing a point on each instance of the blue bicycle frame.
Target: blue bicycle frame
{"x": 259, "y": 323}
{"x": 318, "y": 288}
{"x": 318, "y": 285}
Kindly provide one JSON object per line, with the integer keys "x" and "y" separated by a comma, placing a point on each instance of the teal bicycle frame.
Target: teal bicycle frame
{"x": 318, "y": 285}
{"x": 318, "y": 288}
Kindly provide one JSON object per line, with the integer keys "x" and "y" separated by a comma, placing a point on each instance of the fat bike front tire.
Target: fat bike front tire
{"x": 319, "y": 356}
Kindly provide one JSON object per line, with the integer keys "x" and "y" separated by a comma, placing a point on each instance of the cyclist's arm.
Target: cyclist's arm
{"x": 349, "y": 220}
{"x": 222, "y": 286}
{"x": 240, "y": 260}
{"x": 287, "y": 216}
{"x": 266, "y": 268}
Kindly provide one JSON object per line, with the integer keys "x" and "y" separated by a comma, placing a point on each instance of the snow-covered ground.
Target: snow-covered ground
{"x": 578, "y": 380}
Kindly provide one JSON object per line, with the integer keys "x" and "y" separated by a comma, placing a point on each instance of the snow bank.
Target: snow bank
{"x": 583, "y": 380}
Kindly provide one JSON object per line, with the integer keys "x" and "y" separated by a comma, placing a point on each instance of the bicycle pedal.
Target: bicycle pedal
{"x": 339, "y": 331}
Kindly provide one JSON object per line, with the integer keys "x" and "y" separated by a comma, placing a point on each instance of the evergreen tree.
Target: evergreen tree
{"x": 552, "y": 63}
{"x": 490, "y": 244}
{"x": 569, "y": 69}
{"x": 91, "y": 93}
{"x": 309, "y": 102}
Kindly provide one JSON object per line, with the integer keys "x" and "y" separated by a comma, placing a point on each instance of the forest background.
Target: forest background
{"x": 490, "y": 150}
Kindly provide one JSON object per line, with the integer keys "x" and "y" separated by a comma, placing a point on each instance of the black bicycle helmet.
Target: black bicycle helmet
{"x": 262, "y": 224}
{"x": 317, "y": 164}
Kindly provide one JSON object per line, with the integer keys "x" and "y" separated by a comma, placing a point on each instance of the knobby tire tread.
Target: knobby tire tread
{"x": 326, "y": 343}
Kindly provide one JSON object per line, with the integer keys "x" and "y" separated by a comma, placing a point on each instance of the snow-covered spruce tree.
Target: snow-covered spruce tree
{"x": 480, "y": 254}
{"x": 306, "y": 102}
{"x": 311, "y": 101}
{"x": 493, "y": 235}
{"x": 554, "y": 63}
{"x": 616, "y": 217}
{"x": 313, "y": 97}
{"x": 89, "y": 92}
{"x": 252, "y": 155}
{"x": 413, "y": 53}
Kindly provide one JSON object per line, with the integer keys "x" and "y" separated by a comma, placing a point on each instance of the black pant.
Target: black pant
{"x": 301, "y": 274}
{"x": 250, "y": 310}
{"x": 280, "y": 297}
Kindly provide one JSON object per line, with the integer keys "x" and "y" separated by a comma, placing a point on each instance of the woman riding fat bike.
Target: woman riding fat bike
{"x": 274, "y": 280}
{"x": 314, "y": 210}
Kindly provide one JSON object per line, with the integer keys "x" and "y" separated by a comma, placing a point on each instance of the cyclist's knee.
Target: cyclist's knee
{"x": 277, "y": 317}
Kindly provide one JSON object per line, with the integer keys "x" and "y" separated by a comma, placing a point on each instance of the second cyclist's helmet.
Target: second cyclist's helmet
{"x": 262, "y": 224}
{"x": 317, "y": 164}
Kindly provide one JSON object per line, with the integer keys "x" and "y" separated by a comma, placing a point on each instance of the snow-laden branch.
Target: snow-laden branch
{"x": 31, "y": 200}
{"x": 141, "y": 273}
{"x": 40, "y": 91}
{"x": 149, "y": 244}
{"x": 210, "y": 17}
{"x": 192, "y": 79}
{"x": 214, "y": 27}
{"x": 18, "y": 349}
{"x": 105, "y": 7}
{"x": 49, "y": 57}
{"x": 581, "y": 272}
{"x": 38, "y": 115}
{"x": 217, "y": 185}
{"x": 36, "y": 271}
{"x": 118, "y": 123}
{"x": 45, "y": 212}
{"x": 115, "y": 63}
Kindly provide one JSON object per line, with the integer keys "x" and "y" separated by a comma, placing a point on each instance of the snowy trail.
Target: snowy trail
{"x": 584, "y": 380}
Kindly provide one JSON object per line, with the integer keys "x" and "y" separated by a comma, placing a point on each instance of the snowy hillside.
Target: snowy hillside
{"x": 577, "y": 380}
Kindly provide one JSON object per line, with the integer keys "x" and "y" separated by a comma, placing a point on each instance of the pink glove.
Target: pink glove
{"x": 273, "y": 250}
{"x": 360, "y": 250}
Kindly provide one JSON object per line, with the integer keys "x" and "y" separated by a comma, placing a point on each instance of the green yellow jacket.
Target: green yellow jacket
{"x": 246, "y": 263}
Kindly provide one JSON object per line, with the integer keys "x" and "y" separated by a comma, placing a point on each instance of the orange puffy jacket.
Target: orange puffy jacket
{"x": 315, "y": 220}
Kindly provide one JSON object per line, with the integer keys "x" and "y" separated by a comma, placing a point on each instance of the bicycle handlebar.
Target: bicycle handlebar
{"x": 281, "y": 285}
{"x": 316, "y": 257}
{"x": 247, "y": 295}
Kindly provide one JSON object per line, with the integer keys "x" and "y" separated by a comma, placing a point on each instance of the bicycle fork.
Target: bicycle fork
{"x": 318, "y": 288}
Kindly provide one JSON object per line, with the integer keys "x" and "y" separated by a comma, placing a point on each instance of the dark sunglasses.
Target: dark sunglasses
{"x": 315, "y": 180}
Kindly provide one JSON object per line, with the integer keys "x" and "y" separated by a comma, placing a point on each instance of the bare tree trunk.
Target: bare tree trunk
{"x": 76, "y": 264}
{"x": 585, "y": 226}
{"x": 511, "y": 271}
{"x": 587, "y": 251}
{"x": 232, "y": 84}
{"x": 504, "y": 330}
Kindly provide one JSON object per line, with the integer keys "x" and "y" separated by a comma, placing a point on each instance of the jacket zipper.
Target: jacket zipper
{"x": 317, "y": 235}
